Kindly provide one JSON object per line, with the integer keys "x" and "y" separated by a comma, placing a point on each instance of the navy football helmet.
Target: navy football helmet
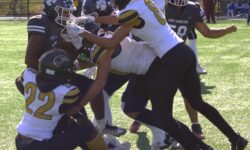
{"x": 59, "y": 11}
{"x": 100, "y": 7}
{"x": 56, "y": 63}
{"x": 178, "y": 2}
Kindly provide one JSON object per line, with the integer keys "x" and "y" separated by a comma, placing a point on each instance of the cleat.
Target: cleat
{"x": 241, "y": 144}
{"x": 158, "y": 145}
{"x": 197, "y": 131}
{"x": 135, "y": 126}
{"x": 200, "y": 70}
{"x": 113, "y": 130}
{"x": 176, "y": 146}
{"x": 169, "y": 140}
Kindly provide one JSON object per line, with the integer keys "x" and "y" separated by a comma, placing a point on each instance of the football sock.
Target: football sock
{"x": 158, "y": 134}
{"x": 100, "y": 124}
{"x": 107, "y": 110}
{"x": 192, "y": 44}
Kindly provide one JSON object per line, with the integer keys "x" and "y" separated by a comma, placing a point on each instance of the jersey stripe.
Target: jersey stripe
{"x": 72, "y": 96}
{"x": 34, "y": 28}
{"x": 128, "y": 17}
{"x": 97, "y": 54}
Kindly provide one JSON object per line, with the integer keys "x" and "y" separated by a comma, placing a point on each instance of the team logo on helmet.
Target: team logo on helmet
{"x": 101, "y": 5}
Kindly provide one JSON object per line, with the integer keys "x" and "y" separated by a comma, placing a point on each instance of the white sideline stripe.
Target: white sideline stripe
{"x": 13, "y": 18}
{"x": 35, "y": 27}
{"x": 36, "y": 30}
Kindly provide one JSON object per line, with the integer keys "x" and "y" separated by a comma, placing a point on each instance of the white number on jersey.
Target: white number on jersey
{"x": 181, "y": 30}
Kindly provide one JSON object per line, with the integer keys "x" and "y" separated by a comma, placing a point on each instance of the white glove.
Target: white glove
{"x": 74, "y": 30}
{"x": 75, "y": 40}
{"x": 84, "y": 19}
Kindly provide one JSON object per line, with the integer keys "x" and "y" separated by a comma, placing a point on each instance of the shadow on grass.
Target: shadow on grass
{"x": 142, "y": 141}
{"x": 206, "y": 89}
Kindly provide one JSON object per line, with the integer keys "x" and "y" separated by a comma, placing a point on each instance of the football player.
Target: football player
{"x": 192, "y": 37}
{"x": 177, "y": 66}
{"x": 44, "y": 34}
{"x": 141, "y": 59}
{"x": 114, "y": 82}
{"x": 117, "y": 78}
{"x": 184, "y": 17}
{"x": 48, "y": 96}
{"x": 131, "y": 50}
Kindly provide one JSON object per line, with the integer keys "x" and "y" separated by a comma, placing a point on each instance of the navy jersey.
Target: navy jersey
{"x": 41, "y": 24}
{"x": 182, "y": 22}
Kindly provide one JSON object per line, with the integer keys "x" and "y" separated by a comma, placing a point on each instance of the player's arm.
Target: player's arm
{"x": 214, "y": 33}
{"x": 100, "y": 81}
{"x": 109, "y": 43}
{"x": 127, "y": 20}
{"x": 112, "y": 19}
{"x": 34, "y": 50}
{"x": 36, "y": 40}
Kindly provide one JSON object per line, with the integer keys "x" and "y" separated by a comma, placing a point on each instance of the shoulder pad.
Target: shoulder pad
{"x": 36, "y": 24}
{"x": 97, "y": 54}
{"x": 72, "y": 96}
{"x": 128, "y": 17}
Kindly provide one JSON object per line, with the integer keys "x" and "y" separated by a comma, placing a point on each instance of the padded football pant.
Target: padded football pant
{"x": 178, "y": 68}
{"x": 67, "y": 140}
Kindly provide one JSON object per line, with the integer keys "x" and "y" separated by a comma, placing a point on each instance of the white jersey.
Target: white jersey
{"x": 129, "y": 57}
{"x": 42, "y": 109}
{"x": 152, "y": 27}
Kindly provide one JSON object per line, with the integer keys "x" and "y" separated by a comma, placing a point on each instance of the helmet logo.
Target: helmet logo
{"x": 59, "y": 60}
{"x": 101, "y": 5}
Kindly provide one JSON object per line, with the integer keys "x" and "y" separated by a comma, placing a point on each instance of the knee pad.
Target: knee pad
{"x": 97, "y": 143}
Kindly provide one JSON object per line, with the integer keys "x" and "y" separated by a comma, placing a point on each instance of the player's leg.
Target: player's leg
{"x": 68, "y": 138}
{"x": 163, "y": 80}
{"x": 191, "y": 83}
{"x": 114, "y": 82}
{"x": 134, "y": 100}
{"x": 248, "y": 17}
{"x": 193, "y": 115}
{"x": 192, "y": 43}
{"x": 213, "y": 13}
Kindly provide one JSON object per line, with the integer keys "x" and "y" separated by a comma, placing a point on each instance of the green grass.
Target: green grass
{"x": 226, "y": 86}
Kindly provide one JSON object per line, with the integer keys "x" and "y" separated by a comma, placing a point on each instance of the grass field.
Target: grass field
{"x": 226, "y": 86}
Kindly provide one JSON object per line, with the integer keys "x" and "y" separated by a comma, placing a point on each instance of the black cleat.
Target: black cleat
{"x": 241, "y": 144}
{"x": 113, "y": 130}
{"x": 197, "y": 131}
